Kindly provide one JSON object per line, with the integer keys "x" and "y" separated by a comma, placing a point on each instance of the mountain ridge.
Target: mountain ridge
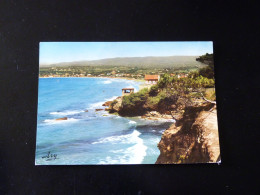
{"x": 148, "y": 61}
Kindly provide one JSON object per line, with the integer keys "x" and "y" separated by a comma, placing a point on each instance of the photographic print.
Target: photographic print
{"x": 117, "y": 103}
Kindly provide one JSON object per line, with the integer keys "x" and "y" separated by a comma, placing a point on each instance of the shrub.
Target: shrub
{"x": 154, "y": 90}
{"x": 207, "y": 72}
{"x": 135, "y": 98}
{"x": 164, "y": 81}
{"x": 133, "y": 104}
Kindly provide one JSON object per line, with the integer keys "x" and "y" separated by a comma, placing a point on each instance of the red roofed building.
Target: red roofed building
{"x": 152, "y": 79}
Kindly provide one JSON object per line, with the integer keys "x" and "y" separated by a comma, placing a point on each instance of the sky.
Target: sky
{"x": 56, "y": 52}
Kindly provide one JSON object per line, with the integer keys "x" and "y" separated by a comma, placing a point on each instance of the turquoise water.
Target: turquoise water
{"x": 93, "y": 137}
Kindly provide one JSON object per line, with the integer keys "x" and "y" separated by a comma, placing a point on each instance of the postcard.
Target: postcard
{"x": 113, "y": 103}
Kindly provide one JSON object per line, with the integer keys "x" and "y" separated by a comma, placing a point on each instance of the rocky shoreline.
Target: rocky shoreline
{"x": 149, "y": 115}
{"x": 193, "y": 136}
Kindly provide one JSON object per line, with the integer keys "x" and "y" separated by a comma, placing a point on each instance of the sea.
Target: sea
{"x": 90, "y": 137}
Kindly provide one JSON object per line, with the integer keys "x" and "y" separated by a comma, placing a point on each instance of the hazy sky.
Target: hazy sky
{"x": 55, "y": 52}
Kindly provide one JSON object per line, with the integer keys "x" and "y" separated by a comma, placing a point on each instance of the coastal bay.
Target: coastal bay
{"x": 92, "y": 137}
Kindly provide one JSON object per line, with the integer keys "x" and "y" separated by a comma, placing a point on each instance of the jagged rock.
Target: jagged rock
{"x": 115, "y": 105}
{"x": 107, "y": 103}
{"x": 61, "y": 119}
{"x": 155, "y": 114}
{"x": 193, "y": 139}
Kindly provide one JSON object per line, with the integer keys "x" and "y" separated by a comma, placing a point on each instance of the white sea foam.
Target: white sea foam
{"x": 54, "y": 121}
{"x": 162, "y": 131}
{"x": 99, "y": 104}
{"x": 129, "y": 138}
{"x": 132, "y": 155}
{"x": 96, "y": 105}
{"x": 171, "y": 120}
{"x": 132, "y": 122}
{"x": 67, "y": 112}
{"x": 112, "y": 98}
{"x": 107, "y": 82}
{"x": 165, "y": 120}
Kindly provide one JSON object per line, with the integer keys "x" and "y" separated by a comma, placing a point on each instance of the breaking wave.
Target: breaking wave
{"x": 68, "y": 112}
{"x": 132, "y": 122}
{"x": 132, "y": 155}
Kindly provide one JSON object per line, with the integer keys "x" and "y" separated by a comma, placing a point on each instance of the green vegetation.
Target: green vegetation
{"x": 207, "y": 59}
{"x": 209, "y": 70}
{"x": 114, "y": 102}
{"x": 154, "y": 90}
{"x": 131, "y": 104}
{"x": 135, "y": 99}
{"x": 183, "y": 80}
{"x": 107, "y": 71}
{"x": 172, "y": 93}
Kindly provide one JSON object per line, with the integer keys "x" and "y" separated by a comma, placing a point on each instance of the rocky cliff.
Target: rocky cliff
{"x": 193, "y": 138}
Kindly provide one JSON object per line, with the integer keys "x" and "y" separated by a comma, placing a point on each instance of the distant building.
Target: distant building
{"x": 182, "y": 75}
{"x": 152, "y": 79}
{"x": 127, "y": 91}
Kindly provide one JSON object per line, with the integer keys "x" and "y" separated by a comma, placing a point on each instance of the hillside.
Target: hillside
{"x": 142, "y": 62}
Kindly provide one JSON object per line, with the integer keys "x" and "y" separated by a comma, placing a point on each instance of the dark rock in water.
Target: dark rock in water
{"x": 86, "y": 110}
{"x": 62, "y": 119}
{"x": 99, "y": 109}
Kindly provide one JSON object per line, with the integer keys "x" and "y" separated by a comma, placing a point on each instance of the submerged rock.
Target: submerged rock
{"x": 60, "y": 119}
{"x": 99, "y": 109}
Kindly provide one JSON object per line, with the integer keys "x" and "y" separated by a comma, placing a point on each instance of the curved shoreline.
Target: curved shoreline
{"x": 126, "y": 78}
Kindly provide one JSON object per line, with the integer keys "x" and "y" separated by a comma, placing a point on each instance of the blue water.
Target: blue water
{"x": 93, "y": 137}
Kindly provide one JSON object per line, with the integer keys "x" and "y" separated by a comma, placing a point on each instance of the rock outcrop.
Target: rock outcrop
{"x": 114, "y": 106}
{"x": 193, "y": 138}
{"x": 154, "y": 115}
{"x": 62, "y": 119}
{"x": 107, "y": 103}
{"x": 98, "y": 109}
